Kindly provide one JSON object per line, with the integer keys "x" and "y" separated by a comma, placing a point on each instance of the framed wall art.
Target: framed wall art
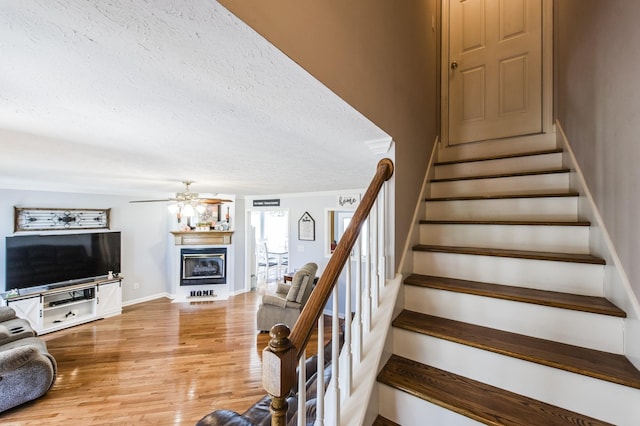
{"x": 306, "y": 228}
{"x": 53, "y": 219}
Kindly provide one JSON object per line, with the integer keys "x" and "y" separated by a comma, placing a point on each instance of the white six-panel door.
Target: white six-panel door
{"x": 495, "y": 69}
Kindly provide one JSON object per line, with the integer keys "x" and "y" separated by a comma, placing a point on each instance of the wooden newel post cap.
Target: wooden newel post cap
{"x": 279, "y": 362}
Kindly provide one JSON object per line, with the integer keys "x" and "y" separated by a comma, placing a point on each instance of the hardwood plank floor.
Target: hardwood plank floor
{"x": 158, "y": 363}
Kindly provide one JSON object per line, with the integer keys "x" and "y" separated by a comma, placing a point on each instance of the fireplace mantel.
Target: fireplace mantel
{"x": 195, "y": 238}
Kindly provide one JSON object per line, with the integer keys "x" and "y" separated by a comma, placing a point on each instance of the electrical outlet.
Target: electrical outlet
{"x": 136, "y": 286}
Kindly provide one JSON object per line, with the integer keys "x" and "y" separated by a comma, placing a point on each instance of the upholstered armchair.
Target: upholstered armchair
{"x": 284, "y": 306}
{"x": 27, "y": 370}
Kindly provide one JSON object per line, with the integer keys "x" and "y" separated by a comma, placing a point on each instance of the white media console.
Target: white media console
{"x": 54, "y": 309}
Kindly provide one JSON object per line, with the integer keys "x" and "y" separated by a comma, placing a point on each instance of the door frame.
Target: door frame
{"x": 547, "y": 70}
{"x": 250, "y": 269}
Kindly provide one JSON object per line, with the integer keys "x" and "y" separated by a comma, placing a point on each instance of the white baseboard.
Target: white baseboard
{"x": 147, "y": 298}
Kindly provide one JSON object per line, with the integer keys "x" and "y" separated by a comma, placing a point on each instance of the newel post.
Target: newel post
{"x": 278, "y": 372}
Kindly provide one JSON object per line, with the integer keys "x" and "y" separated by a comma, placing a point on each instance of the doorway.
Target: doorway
{"x": 271, "y": 244}
{"x": 496, "y": 69}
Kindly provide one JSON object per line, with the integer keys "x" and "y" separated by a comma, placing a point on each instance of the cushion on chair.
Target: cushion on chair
{"x": 300, "y": 280}
{"x": 297, "y": 288}
{"x": 296, "y": 282}
{"x": 7, "y": 313}
{"x": 15, "y": 358}
{"x": 283, "y": 288}
{"x": 15, "y": 329}
{"x": 271, "y": 299}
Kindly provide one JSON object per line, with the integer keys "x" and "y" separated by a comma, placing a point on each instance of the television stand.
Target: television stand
{"x": 54, "y": 309}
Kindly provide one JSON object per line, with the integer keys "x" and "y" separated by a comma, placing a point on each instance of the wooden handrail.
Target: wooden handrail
{"x": 308, "y": 318}
{"x": 285, "y": 349}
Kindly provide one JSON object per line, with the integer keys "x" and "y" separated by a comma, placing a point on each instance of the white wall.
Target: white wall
{"x": 316, "y": 204}
{"x": 144, "y": 230}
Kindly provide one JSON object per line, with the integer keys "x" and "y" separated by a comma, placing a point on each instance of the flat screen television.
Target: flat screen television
{"x": 59, "y": 259}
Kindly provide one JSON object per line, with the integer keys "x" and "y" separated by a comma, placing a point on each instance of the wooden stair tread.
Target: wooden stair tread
{"x": 381, "y": 421}
{"x": 522, "y": 254}
{"x": 588, "y": 362}
{"x": 592, "y": 304}
{"x": 505, "y": 222}
{"x": 504, "y": 197}
{"x": 479, "y": 401}
{"x": 503, "y": 175}
{"x": 500, "y": 157}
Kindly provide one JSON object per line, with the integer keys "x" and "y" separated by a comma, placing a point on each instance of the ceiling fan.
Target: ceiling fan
{"x": 187, "y": 197}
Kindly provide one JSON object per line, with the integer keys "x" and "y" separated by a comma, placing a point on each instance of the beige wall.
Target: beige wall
{"x": 598, "y": 106}
{"x": 380, "y": 56}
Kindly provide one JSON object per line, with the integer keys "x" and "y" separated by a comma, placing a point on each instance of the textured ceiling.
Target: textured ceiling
{"x": 133, "y": 96}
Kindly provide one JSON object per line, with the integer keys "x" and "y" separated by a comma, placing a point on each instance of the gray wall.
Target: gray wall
{"x": 302, "y": 251}
{"x": 144, "y": 230}
{"x": 147, "y": 245}
{"x": 597, "y": 64}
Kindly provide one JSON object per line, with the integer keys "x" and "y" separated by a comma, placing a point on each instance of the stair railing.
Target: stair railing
{"x": 286, "y": 348}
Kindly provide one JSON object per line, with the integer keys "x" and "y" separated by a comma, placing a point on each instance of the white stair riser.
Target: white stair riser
{"x": 512, "y": 185}
{"x": 599, "y": 332}
{"x": 498, "y": 147}
{"x": 407, "y": 410}
{"x": 541, "y": 209}
{"x": 567, "y": 277}
{"x": 530, "y": 163}
{"x": 567, "y": 239}
{"x": 596, "y": 398}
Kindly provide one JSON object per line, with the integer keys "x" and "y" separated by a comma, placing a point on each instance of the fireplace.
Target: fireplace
{"x": 203, "y": 266}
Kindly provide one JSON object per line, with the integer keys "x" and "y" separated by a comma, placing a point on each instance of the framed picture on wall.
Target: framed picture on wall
{"x": 53, "y": 219}
{"x": 306, "y": 228}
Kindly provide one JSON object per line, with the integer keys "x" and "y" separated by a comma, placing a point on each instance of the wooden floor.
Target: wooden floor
{"x": 158, "y": 363}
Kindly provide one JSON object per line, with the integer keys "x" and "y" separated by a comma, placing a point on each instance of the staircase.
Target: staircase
{"x": 504, "y": 320}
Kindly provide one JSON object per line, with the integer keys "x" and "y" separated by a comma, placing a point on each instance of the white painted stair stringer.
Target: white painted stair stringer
{"x": 589, "y": 330}
{"x": 553, "y": 238}
{"x": 508, "y": 185}
{"x": 536, "y": 208}
{"x": 566, "y": 277}
{"x": 530, "y": 163}
{"x": 593, "y": 397}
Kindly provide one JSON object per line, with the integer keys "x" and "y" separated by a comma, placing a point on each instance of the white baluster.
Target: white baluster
{"x": 358, "y": 317}
{"x": 382, "y": 236}
{"x": 375, "y": 279}
{"x": 366, "y": 302}
{"x": 302, "y": 390}
{"x": 335, "y": 352}
{"x": 347, "y": 333}
{"x": 320, "y": 374}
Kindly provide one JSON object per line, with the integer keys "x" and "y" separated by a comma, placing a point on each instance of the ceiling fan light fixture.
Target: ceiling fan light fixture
{"x": 187, "y": 210}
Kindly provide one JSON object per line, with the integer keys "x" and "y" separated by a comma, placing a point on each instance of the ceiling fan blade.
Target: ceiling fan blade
{"x": 213, "y": 200}
{"x": 151, "y": 201}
